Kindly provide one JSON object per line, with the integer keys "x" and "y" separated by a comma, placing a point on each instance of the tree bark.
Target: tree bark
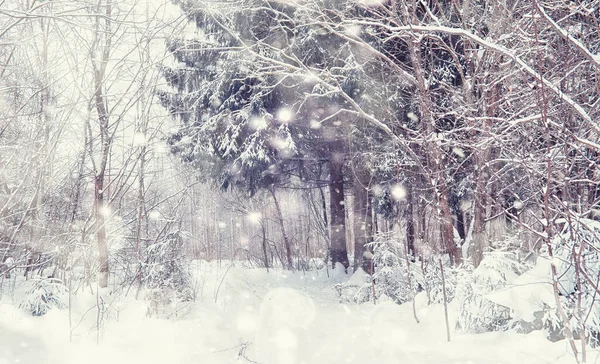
{"x": 479, "y": 238}
{"x": 339, "y": 252}
{"x": 446, "y": 225}
{"x": 102, "y": 40}
{"x": 286, "y": 240}
{"x": 101, "y": 231}
{"x": 460, "y": 224}
{"x": 140, "y": 218}
{"x": 434, "y": 153}
{"x": 410, "y": 224}
{"x": 264, "y": 245}
{"x": 363, "y": 227}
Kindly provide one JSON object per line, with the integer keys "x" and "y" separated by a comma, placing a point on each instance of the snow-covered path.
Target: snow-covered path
{"x": 245, "y": 316}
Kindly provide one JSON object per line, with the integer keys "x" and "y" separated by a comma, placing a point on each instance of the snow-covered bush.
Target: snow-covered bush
{"x": 358, "y": 289}
{"x": 398, "y": 280}
{"x": 531, "y": 298}
{"x": 576, "y": 258}
{"x": 166, "y": 276}
{"x": 316, "y": 264}
{"x": 430, "y": 278}
{"x": 391, "y": 274}
{"x": 394, "y": 278}
{"x": 44, "y": 294}
{"x": 499, "y": 267}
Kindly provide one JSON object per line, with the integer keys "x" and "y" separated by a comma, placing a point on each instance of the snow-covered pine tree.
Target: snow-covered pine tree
{"x": 496, "y": 271}
{"x": 165, "y": 275}
{"x": 264, "y": 92}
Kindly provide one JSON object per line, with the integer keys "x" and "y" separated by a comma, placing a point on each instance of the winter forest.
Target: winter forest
{"x": 299, "y": 181}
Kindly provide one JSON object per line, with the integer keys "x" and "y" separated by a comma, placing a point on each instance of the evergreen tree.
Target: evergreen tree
{"x": 254, "y": 95}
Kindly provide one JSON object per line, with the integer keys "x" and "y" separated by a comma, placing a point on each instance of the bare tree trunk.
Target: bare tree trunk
{"x": 326, "y": 227}
{"x": 363, "y": 227}
{"x": 549, "y": 215}
{"x": 78, "y": 185}
{"x": 434, "y": 154}
{"x": 446, "y": 225}
{"x": 140, "y": 218}
{"x": 101, "y": 231}
{"x": 339, "y": 252}
{"x": 264, "y": 246}
{"x": 102, "y": 41}
{"x": 479, "y": 238}
{"x": 286, "y": 240}
{"x": 409, "y": 250}
{"x": 410, "y": 224}
{"x": 460, "y": 224}
{"x": 445, "y": 302}
{"x": 422, "y": 229}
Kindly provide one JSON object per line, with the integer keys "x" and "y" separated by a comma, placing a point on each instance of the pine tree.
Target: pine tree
{"x": 251, "y": 97}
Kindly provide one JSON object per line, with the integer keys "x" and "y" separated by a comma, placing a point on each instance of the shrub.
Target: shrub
{"x": 499, "y": 267}
{"x": 166, "y": 276}
{"x": 44, "y": 294}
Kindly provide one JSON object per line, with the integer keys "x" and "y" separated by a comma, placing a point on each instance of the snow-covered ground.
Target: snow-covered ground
{"x": 248, "y": 315}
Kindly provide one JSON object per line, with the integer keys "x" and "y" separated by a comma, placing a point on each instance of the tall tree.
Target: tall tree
{"x": 264, "y": 111}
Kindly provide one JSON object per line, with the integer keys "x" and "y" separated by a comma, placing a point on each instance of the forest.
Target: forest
{"x": 299, "y": 181}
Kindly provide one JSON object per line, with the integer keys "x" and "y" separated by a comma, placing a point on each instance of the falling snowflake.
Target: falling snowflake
{"x": 105, "y": 211}
{"x": 353, "y": 30}
{"x": 154, "y": 215}
{"x": 139, "y": 139}
{"x": 314, "y": 124}
{"x": 258, "y": 123}
{"x": 254, "y": 217}
{"x": 398, "y": 193}
{"x": 285, "y": 115}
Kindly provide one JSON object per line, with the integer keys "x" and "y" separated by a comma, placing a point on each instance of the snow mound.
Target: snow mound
{"x": 282, "y": 334}
{"x": 388, "y": 323}
{"x": 359, "y": 278}
{"x": 286, "y": 306}
{"x": 356, "y": 289}
{"x": 527, "y": 293}
{"x": 339, "y": 271}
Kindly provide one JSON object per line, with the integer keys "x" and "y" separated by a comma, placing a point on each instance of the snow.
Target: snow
{"x": 412, "y": 117}
{"x": 254, "y": 217}
{"x": 258, "y": 123}
{"x": 358, "y": 278}
{"x": 353, "y": 30}
{"x": 398, "y": 192}
{"x": 248, "y": 315}
{"x": 105, "y": 211}
{"x": 527, "y": 293}
{"x": 371, "y": 2}
{"x": 314, "y": 124}
{"x": 285, "y": 115}
{"x": 459, "y": 152}
{"x": 139, "y": 139}
{"x": 154, "y": 215}
{"x": 518, "y": 204}
{"x": 285, "y": 314}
